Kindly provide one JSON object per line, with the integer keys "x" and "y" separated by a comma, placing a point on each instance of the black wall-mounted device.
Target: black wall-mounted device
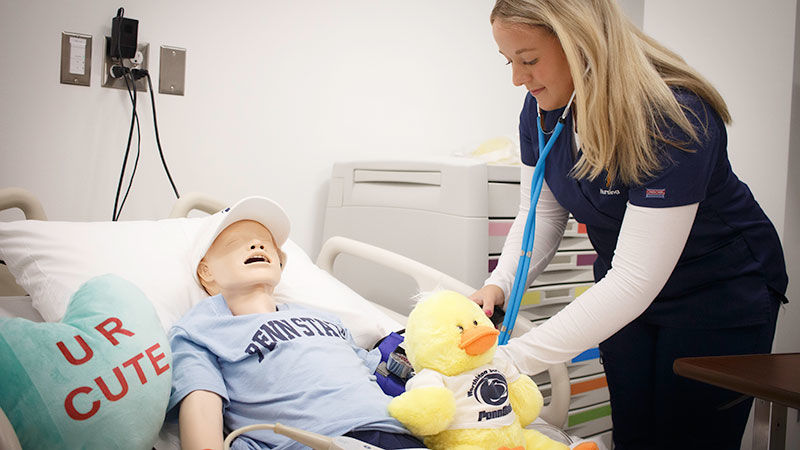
{"x": 124, "y": 35}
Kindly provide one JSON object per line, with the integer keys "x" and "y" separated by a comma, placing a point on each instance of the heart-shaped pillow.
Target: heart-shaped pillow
{"x": 98, "y": 379}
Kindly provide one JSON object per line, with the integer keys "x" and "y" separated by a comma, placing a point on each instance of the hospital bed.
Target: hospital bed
{"x": 14, "y": 301}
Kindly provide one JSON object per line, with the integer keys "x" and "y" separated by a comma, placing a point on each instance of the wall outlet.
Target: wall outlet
{"x": 139, "y": 62}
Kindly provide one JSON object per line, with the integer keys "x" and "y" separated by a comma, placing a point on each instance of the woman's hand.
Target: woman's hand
{"x": 488, "y": 297}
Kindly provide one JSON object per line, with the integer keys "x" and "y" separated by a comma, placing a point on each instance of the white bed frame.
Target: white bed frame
{"x": 427, "y": 278}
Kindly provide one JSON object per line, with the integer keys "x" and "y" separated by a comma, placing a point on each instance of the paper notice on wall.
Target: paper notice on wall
{"x": 77, "y": 55}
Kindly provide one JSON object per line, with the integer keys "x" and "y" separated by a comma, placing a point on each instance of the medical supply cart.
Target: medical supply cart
{"x": 453, "y": 214}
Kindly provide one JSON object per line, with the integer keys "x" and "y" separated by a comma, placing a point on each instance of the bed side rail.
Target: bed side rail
{"x": 14, "y": 197}
{"x": 195, "y": 201}
{"x": 428, "y": 279}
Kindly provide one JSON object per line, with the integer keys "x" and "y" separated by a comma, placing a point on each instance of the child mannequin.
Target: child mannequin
{"x": 240, "y": 358}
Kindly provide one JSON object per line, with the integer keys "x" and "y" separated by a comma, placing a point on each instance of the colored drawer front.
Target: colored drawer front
{"x": 550, "y": 277}
{"x": 575, "y": 243}
{"x": 499, "y": 228}
{"x": 498, "y": 231}
{"x": 560, "y": 294}
{"x": 589, "y": 390}
{"x": 574, "y": 371}
{"x": 587, "y": 363}
{"x": 585, "y": 391}
{"x": 503, "y": 199}
{"x": 575, "y": 229}
{"x": 577, "y": 275}
{"x": 590, "y": 420}
{"x": 566, "y": 267}
{"x": 571, "y": 260}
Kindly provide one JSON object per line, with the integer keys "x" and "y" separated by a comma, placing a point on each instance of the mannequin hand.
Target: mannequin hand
{"x": 488, "y": 297}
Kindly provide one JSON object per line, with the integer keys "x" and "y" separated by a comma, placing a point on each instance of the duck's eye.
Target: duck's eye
{"x": 460, "y": 328}
{"x": 475, "y": 322}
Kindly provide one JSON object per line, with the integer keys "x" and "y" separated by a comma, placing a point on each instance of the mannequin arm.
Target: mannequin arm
{"x": 200, "y": 420}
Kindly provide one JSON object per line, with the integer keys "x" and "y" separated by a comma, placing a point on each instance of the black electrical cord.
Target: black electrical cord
{"x": 133, "y": 75}
{"x": 115, "y": 214}
{"x": 155, "y": 125}
{"x": 132, "y": 95}
{"x": 134, "y": 120}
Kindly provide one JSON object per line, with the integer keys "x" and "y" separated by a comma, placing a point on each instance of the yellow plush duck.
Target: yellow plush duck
{"x": 460, "y": 396}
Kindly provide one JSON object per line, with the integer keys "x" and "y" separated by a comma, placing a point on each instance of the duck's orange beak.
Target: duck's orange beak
{"x": 478, "y": 340}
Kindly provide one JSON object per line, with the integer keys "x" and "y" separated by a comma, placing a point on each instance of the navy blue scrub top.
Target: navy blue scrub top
{"x": 732, "y": 267}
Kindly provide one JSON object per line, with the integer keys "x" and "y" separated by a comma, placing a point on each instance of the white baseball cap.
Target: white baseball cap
{"x": 260, "y": 209}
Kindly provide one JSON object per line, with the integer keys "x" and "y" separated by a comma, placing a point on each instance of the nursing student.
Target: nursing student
{"x": 688, "y": 263}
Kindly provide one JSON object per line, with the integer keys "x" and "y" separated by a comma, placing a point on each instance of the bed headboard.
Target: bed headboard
{"x": 17, "y": 198}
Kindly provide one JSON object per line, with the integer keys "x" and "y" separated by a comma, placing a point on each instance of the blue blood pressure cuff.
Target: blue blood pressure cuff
{"x": 394, "y": 369}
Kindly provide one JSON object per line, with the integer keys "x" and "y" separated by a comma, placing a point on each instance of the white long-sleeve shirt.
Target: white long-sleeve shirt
{"x": 640, "y": 268}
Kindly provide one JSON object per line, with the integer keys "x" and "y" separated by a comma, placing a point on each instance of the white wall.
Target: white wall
{"x": 275, "y": 93}
{"x": 749, "y": 53}
{"x": 788, "y": 337}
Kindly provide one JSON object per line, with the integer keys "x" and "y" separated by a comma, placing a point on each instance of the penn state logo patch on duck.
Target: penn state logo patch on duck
{"x": 490, "y": 388}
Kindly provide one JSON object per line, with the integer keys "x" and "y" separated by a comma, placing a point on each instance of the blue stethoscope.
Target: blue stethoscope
{"x": 520, "y": 280}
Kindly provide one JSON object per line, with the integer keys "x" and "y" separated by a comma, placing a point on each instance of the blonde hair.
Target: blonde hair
{"x": 625, "y": 97}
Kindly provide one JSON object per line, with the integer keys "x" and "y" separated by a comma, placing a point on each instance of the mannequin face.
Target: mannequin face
{"x": 242, "y": 258}
{"x": 537, "y": 62}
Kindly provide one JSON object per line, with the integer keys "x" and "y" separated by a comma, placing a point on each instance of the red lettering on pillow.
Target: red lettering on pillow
{"x": 123, "y": 384}
{"x": 153, "y": 354}
{"x": 135, "y": 363}
{"x": 117, "y": 329}
{"x": 87, "y": 351}
{"x": 70, "y": 407}
{"x": 155, "y": 358}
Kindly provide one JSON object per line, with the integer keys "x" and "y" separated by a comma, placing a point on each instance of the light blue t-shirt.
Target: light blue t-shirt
{"x": 296, "y": 366}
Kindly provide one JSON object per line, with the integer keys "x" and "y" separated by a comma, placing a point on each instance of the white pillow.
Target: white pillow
{"x": 306, "y": 284}
{"x": 50, "y": 260}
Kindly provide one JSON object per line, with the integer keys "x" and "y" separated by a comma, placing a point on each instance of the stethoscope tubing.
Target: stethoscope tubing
{"x": 520, "y": 280}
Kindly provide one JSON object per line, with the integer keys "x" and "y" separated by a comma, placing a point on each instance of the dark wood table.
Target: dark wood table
{"x": 773, "y": 379}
